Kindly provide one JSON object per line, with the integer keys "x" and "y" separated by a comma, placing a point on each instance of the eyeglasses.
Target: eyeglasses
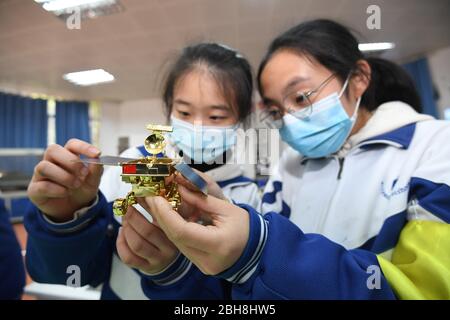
{"x": 297, "y": 103}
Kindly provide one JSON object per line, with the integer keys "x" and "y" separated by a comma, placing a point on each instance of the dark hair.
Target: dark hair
{"x": 334, "y": 46}
{"x": 230, "y": 69}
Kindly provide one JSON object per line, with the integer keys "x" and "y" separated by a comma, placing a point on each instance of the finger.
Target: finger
{"x": 39, "y": 190}
{"x": 138, "y": 244}
{"x": 46, "y": 170}
{"x": 148, "y": 231}
{"x": 146, "y": 214}
{"x": 178, "y": 230}
{"x": 95, "y": 173}
{"x": 65, "y": 159}
{"x": 181, "y": 180}
{"x": 207, "y": 203}
{"x": 213, "y": 188}
{"x": 188, "y": 212}
{"x": 143, "y": 204}
{"x": 185, "y": 211}
{"x": 127, "y": 255}
{"x": 80, "y": 147}
{"x": 168, "y": 180}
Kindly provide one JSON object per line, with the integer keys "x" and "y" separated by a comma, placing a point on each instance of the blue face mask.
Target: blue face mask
{"x": 202, "y": 144}
{"x": 324, "y": 131}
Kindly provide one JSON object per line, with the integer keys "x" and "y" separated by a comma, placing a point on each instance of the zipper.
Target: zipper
{"x": 341, "y": 162}
{"x": 320, "y": 228}
{"x": 341, "y": 166}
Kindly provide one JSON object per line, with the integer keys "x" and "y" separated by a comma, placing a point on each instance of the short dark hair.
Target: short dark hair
{"x": 228, "y": 67}
{"x": 335, "y": 47}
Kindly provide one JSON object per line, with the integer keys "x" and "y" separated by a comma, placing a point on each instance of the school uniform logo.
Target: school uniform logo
{"x": 394, "y": 190}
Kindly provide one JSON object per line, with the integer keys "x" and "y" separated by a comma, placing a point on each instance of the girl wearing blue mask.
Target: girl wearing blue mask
{"x": 358, "y": 207}
{"x": 207, "y": 95}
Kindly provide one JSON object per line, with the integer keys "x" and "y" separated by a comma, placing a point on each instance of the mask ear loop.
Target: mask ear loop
{"x": 355, "y": 113}
{"x": 344, "y": 87}
{"x": 358, "y": 102}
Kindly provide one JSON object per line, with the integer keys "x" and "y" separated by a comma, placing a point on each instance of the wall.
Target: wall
{"x": 109, "y": 127}
{"x": 439, "y": 62}
{"x": 134, "y": 117}
{"x": 128, "y": 119}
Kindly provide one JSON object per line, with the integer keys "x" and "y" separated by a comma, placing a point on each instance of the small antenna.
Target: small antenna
{"x": 156, "y": 142}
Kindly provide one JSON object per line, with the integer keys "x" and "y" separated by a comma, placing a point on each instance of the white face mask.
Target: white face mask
{"x": 202, "y": 144}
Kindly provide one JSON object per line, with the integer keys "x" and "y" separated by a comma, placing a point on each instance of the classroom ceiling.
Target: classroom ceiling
{"x": 36, "y": 48}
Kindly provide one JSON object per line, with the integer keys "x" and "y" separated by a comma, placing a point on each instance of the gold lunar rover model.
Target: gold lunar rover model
{"x": 149, "y": 176}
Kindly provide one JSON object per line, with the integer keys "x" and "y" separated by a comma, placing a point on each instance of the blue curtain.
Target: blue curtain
{"x": 72, "y": 121}
{"x": 23, "y": 122}
{"x": 420, "y": 73}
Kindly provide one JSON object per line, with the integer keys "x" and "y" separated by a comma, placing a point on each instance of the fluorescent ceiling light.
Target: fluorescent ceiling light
{"x": 376, "y": 46}
{"x": 88, "y": 8}
{"x": 89, "y": 77}
{"x": 56, "y": 5}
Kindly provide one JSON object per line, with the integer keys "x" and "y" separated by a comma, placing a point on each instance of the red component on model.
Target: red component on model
{"x": 129, "y": 169}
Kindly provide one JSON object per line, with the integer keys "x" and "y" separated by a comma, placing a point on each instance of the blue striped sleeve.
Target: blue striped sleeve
{"x": 191, "y": 285}
{"x": 172, "y": 273}
{"x": 294, "y": 265}
{"x": 87, "y": 243}
{"x": 246, "y": 265}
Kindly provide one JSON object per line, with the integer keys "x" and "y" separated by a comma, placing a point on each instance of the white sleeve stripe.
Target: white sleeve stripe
{"x": 176, "y": 275}
{"x": 189, "y": 265}
{"x": 250, "y": 267}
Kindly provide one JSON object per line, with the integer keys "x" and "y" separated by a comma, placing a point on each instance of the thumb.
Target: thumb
{"x": 176, "y": 228}
{"x": 209, "y": 203}
{"x": 168, "y": 219}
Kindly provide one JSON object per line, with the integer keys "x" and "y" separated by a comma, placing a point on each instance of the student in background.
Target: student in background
{"x": 208, "y": 91}
{"x": 12, "y": 272}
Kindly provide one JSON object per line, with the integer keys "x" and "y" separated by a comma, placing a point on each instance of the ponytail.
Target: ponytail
{"x": 389, "y": 82}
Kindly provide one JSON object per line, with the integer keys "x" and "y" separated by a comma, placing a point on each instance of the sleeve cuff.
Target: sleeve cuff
{"x": 172, "y": 273}
{"x": 247, "y": 264}
{"x": 82, "y": 218}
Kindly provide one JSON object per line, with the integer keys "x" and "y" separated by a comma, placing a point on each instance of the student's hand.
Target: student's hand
{"x": 143, "y": 245}
{"x": 213, "y": 188}
{"x": 61, "y": 186}
{"x": 213, "y": 248}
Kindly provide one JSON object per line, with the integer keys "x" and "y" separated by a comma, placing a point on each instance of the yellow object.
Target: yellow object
{"x": 420, "y": 263}
{"x": 156, "y": 143}
{"x": 148, "y": 176}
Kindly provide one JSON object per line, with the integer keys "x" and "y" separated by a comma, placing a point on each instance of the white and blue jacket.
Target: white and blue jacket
{"x": 89, "y": 240}
{"x": 370, "y": 222}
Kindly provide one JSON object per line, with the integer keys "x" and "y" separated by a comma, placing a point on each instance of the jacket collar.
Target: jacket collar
{"x": 400, "y": 138}
{"x": 393, "y": 123}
